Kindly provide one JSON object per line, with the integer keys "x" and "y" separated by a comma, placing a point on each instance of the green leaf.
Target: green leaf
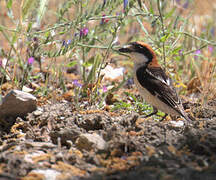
{"x": 47, "y": 34}
{"x": 177, "y": 58}
{"x": 89, "y": 62}
{"x": 27, "y": 6}
{"x": 9, "y": 4}
{"x": 62, "y": 32}
{"x": 92, "y": 74}
{"x": 142, "y": 26}
{"x": 170, "y": 13}
{"x": 29, "y": 27}
{"x": 131, "y": 95}
{"x": 92, "y": 42}
{"x": 71, "y": 64}
{"x": 14, "y": 38}
{"x": 151, "y": 10}
{"x": 165, "y": 37}
{"x": 176, "y": 50}
{"x": 41, "y": 10}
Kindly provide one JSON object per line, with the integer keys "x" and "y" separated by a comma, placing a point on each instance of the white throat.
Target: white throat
{"x": 139, "y": 60}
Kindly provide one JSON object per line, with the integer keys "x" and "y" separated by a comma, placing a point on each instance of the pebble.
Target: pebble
{"x": 89, "y": 141}
{"x": 17, "y": 104}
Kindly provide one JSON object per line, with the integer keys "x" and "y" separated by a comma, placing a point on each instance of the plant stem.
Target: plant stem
{"x": 163, "y": 30}
{"x": 196, "y": 37}
{"x": 194, "y": 50}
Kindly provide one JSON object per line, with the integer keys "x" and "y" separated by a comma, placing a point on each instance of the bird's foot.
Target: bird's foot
{"x": 154, "y": 113}
{"x": 164, "y": 117}
{"x": 151, "y": 114}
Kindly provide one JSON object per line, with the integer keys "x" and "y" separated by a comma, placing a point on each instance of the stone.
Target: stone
{"x": 38, "y": 112}
{"x": 17, "y": 104}
{"x": 65, "y": 135}
{"x": 90, "y": 141}
{"x": 45, "y": 174}
{"x": 26, "y": 89}
{"x": 176, "y": 124}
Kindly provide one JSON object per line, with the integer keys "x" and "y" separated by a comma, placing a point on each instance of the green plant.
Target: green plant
{"x": 85, "y": 34}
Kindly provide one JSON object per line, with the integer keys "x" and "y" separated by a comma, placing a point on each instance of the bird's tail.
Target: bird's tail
{"x": 185, "y": 116}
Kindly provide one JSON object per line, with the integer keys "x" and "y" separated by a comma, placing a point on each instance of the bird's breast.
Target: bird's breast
{"x": 152, "y": 99}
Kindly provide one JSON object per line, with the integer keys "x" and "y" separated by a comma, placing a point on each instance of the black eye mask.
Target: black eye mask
{"x": 142, "y": 50}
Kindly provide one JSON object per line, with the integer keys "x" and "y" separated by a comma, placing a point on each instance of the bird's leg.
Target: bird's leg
{"x": 163, "y": 117}
{"x": 151, "y": 114}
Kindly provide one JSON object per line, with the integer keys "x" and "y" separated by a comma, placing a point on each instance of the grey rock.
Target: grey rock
{"x": 89, "y": 141}
{"x": 38, "y": 112}
{"x": 47, "y": 173}
{"x": 17, "y": 104}
{"x": 66, "y": 134}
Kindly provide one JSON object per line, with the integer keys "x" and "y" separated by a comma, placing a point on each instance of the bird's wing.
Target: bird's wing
{"x": 159, "y": 84}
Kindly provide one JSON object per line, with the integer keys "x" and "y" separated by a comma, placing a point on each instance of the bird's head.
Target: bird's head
{"x": 141, "y": 54}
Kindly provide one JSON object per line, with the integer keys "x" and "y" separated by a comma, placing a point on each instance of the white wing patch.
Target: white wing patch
{"x": 168, "y": 81}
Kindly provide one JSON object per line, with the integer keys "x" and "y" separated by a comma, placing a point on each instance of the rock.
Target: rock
{"x": 4, "y": 176}
{"x": 26, "y": 89}
{"x": 17, "y": 104}
{"x": 112, "y": 73}
{"x": 38, "y": 112}
{"x": 176, "y": 124}
{"x": 30, "y": 156}
{"x": 45, "y": 174}
{"x": 65, "y": 135}
{"x": 90, "y": 122}
{"x": 39, "y": 145}
{"x": 89, "y": 141}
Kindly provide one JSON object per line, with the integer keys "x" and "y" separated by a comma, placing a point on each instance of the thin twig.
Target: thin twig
{"x": 163, "y": 30}
{"x": 89, "y": 19}
{"x": 194, "y": 50}
{"x": 93, "y": 46}
{"x": 197, "y": 38}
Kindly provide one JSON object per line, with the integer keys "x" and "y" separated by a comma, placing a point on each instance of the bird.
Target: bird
{"x": 152, "y": 82}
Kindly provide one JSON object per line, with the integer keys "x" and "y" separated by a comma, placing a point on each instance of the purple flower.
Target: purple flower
{"x": 124, "y": 157}
{"x": 210, "y": 48}
{"x": 203, "y": 30}
{"x": 197, "y": 52}
{"x": 68, "y": 42}
{"x": 130, "y": 82}
{"x": 0, "y": 63}
{"x": 118, "y": 13}
{"x": 35, "y": 39}
{"x": 125, "y": 4}
{"x": 77, "y": 84}
{"x": 76, "y": 34}
{"x": 185, "y": 5}
{"x": 212, "y": 31}
{"x": 31, "y": 60}
{"x": 180, "y": 52}
{"x": 105, "y": 89}
{"x": 84, "y": 32}
{"x": 64, "y": 43}
{"x": 178, "y": 1}
{"x": 104, "y": 20}
{"x": 104, "y": 3}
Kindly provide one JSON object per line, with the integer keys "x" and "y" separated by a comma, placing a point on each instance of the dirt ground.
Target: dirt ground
{"x": 58, "y": 142}
{"x": 128, "y": 147}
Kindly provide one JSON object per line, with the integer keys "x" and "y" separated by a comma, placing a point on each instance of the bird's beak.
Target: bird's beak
{"x": 125, "y": 49}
